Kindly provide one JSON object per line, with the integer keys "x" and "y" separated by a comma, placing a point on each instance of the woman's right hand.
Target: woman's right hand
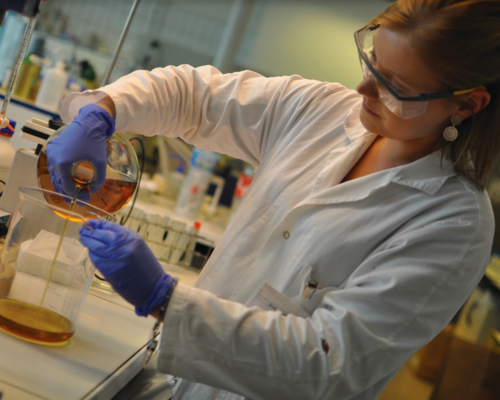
{"x": 82, "y": 140}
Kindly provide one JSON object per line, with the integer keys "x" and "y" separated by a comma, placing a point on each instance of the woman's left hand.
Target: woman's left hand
{"x": 127, "y": 263}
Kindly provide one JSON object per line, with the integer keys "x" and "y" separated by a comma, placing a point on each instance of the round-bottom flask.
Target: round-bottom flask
{"x": 121, "y": 176}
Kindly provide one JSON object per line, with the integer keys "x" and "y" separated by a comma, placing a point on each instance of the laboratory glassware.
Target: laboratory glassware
{"x": 45, "y": 272}
{"x": 121, "y": 176}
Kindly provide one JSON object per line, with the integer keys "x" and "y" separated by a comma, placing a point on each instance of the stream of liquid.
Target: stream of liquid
{"x": 59, "y": 244}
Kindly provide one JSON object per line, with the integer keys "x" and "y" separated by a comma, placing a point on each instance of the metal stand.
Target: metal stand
{"x": 233, "y": 31}
{"x": 118, "y": 48}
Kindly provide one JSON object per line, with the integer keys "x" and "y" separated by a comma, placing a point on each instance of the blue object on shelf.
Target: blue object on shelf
{"x": 7, "y": 130}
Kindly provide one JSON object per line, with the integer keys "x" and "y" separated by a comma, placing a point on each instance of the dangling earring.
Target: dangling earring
{"x": 451, "y": 133}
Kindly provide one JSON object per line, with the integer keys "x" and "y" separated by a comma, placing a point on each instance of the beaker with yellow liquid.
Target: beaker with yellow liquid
{"x": 121, "y": 176}
{"x": 45, "y": 272}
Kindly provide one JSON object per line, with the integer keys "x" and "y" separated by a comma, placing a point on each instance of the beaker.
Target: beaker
{"x": 47, "y": 270}
{"x": 121, "y": 175}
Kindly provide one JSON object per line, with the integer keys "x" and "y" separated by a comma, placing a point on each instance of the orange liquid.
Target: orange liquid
{"x": 35, "y": 323}
{"x": 113, "y": 195}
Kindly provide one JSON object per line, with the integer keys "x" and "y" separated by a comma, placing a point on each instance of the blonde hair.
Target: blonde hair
{"x": 460, "y": 41}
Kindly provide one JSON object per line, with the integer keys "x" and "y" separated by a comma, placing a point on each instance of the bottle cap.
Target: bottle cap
{"x": 60, "y": 65}
{"x": 197, "y": 225}
{"x": 7, "y": 131}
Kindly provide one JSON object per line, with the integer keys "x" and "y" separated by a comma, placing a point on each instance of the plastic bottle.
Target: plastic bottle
{"x": 52, "y": 88}
{"x": 244, "y": 181}
{"x": 7, "y": 153}
{"x": 28, "y": 77}
{"x": 196, "y": 182}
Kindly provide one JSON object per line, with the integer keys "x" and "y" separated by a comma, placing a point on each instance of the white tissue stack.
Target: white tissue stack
{"x": 36, "y": 257}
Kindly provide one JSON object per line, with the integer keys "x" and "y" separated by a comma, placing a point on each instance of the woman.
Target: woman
{"x": 375, "y": 196}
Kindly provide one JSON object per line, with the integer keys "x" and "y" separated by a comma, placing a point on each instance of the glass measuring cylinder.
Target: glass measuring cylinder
{"x": 49, "y": 269}
{"x": 121, "y": 176}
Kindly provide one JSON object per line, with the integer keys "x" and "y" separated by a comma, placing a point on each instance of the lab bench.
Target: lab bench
{"x": 102, "y": 356}
{"x": 105, "y": 353}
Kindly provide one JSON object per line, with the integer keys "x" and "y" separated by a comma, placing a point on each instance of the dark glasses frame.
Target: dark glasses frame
{"x": 359, "y": 35}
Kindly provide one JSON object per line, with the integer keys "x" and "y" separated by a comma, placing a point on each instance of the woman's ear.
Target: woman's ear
{"x": 473, "y": 103}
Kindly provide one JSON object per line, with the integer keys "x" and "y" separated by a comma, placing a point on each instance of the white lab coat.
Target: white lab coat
{"x": 396, "y": 253}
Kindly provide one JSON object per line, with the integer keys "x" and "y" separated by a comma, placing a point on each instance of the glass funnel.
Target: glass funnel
{"x": 121, "y": 176}
{"x": 45, "y": 272}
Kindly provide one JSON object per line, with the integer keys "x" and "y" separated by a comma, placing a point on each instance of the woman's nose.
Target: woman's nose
{"x": 367, "y": 88}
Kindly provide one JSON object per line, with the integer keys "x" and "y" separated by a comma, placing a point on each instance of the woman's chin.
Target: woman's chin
{"x": 368, "y": 121}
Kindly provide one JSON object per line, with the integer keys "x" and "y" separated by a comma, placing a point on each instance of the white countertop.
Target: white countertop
{"x": 107, "y": 336}
{"x": 103, "y": 355}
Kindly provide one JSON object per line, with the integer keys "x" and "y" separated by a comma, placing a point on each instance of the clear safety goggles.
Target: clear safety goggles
{"x": 401, "y": 102}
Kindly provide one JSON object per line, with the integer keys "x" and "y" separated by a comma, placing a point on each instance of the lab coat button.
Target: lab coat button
{"x": 286, "y": 234}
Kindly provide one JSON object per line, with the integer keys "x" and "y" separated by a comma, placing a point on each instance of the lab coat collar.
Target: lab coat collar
{"x": 428, "y": 173}
{"x": 352, "y": 124}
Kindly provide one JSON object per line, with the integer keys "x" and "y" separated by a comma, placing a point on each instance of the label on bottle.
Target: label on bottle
{"x": 242, "y": 185}
{"x": 205, "y": 160}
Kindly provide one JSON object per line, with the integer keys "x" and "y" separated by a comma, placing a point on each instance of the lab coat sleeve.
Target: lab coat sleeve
{"x": 240, "y": 114}
{"x": 398, "y": 299}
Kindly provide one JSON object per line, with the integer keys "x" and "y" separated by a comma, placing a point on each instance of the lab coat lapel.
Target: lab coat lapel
{"x": 350, "y": 191}
{"x": 427, "y": 174}
{"x": 340, "y": 162}
{"x": 328, "y": 188}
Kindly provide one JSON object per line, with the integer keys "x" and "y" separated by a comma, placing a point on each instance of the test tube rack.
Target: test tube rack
{"x": 171, "y": 241}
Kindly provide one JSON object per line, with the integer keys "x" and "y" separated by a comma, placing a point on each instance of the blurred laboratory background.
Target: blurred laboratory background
{"x": 75, "y": 41}
{"x": 313, "y": 39}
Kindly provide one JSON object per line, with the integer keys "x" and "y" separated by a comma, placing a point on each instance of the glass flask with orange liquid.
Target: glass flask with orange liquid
{"x": 121, "y": 176}
{"x": 45, "y": 272}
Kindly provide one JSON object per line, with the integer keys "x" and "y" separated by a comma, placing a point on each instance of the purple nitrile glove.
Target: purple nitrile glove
{"x": 83, "y": 139}
{"x": 127, "y": 263}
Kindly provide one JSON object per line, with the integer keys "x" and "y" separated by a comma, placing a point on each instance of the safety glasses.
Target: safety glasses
{"x": 401, "y": 102}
